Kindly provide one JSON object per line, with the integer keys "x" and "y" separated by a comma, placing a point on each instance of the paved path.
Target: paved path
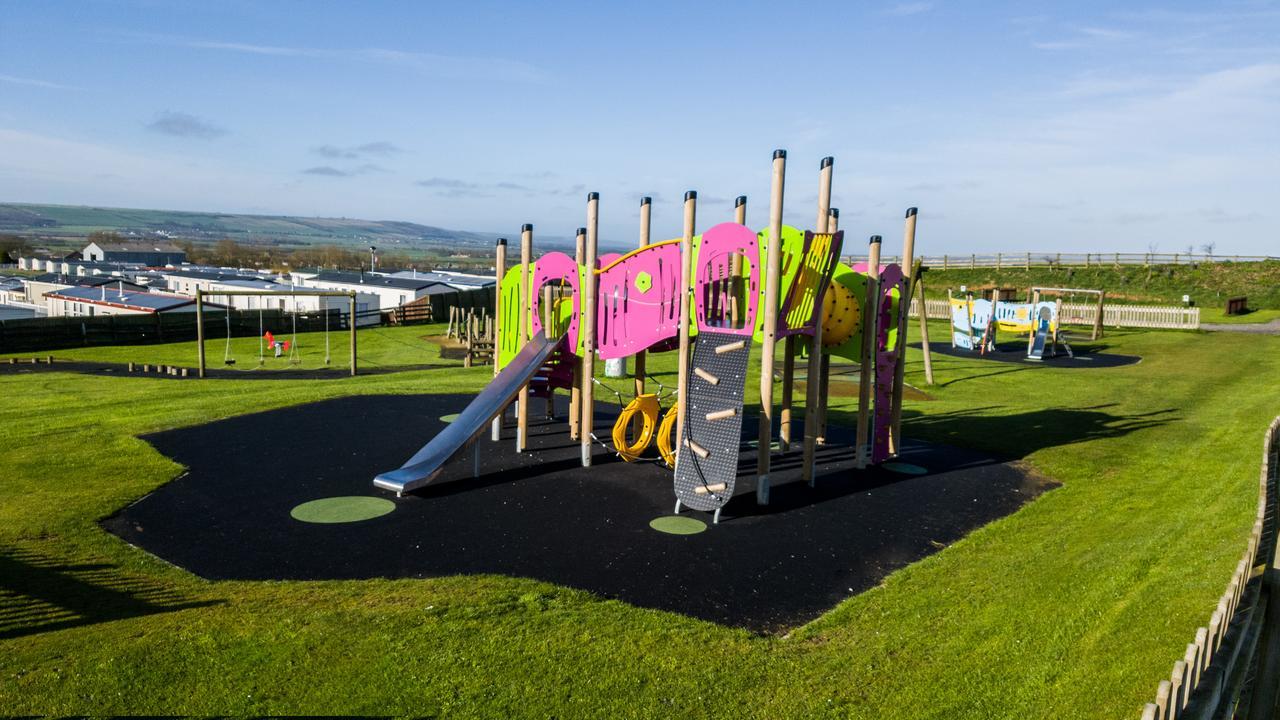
{"x": 1271, "y": 328}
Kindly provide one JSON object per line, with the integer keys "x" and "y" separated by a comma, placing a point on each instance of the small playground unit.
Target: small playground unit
{"x": 710, "y": 297}
{"x": 975, "y": 324}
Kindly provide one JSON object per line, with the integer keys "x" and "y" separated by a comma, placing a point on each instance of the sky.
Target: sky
{"x": 1021, "y": 126}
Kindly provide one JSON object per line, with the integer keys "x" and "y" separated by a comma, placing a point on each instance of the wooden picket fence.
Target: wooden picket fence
{"x": 1168, "y": 317}
{"x": 1028, "y": 260}
{"x": 1234, "y": 660}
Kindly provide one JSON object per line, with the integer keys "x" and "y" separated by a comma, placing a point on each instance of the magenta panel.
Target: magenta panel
{"x": 555, "y": 267}
{"x": 638, "y": 303}
{"x": 716, "y": 291}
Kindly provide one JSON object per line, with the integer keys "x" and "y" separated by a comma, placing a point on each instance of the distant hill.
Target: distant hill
{"x": 70, "y": 224}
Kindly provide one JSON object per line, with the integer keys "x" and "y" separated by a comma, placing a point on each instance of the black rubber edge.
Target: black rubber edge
{"x": 691, "y": 195}
{"x": 582, "y": 231}
{"x": 911, "y": 211}
{"x": 779, "y": 154}
{"x": 740, "y": 201}
{"x": 834, "y": 212}
{"x": 874, "y": 239}
{"x": 502, "y": 241}
{"x": 527, "y": 227}
{"x": 593, "y": 196}
{"x": 827, "y": 162}
{"x": 646, "y": 200}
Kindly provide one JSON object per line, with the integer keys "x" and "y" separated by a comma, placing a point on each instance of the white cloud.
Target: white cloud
{"x": 32, "y": 82}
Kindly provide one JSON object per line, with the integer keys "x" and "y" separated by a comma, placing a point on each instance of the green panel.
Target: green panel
{"x": 508, "y": 333}
{"x": 856, "y": 282}
{"x": 792, "y": 251}
{"x": 342, "y": 509}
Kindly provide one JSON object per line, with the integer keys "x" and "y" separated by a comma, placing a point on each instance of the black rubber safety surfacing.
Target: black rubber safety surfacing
{"x": 720, "y": 438}
{"x": 541, "y": 515}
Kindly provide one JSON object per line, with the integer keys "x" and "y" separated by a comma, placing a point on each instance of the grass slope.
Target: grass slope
{"x": 1208, "y": 284}
{"x": 1073, "y": 607}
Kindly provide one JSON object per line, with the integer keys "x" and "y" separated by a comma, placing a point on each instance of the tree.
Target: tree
{"x": 12, "y": 247}
{"x": 1209, "y": 247}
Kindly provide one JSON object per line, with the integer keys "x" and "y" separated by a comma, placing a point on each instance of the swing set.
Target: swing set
{"x": 264, "y": 337}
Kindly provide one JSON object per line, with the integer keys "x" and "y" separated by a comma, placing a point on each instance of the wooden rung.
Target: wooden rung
{"x": 711, "y": 379}
{"x": 730, "y": 347}
{"x": 704, "y": 489}
{"x": 697, "y": 449}
{"x": 722, "y": 414}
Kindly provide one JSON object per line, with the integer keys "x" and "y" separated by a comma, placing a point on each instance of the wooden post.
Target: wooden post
{"x": 735, "y": 262}
{"x": 1097, "y": 320}
{"x": 575, "y": 393}
{"x": 909, "y": 266}
{"x": 866, "y": 371}
{"x": 588, "y": 303}
{"x": 951, "y": 334}
{"x": 352, "y": 323}
{"x": 646, "y": 210}
{"x": 682, "y": 295}
{"x": 769, "y": 275}
{"x": 813, "y": 370}
{"x": 924, "y": 332}
{"x": 1057, "y": 313}
{"x": 824, "y": 374}
{"x": 522, "y": 332}
{"x": 200, "y": 329}
{"x": 500, "y": 268}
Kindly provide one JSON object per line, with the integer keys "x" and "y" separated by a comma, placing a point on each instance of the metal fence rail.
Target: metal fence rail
{"x": 1165, "y": 317}
{"x": 1028, "y": 260}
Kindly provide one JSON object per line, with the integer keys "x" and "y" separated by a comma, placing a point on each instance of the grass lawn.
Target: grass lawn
{"x": 1075, "y": 606}
{"x": 1219, "y": 315}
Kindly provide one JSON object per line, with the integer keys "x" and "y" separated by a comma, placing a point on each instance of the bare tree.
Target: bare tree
{"x": 1209, "y": 247}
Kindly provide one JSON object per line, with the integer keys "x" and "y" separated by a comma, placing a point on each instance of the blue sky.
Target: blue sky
{"x": 1013, "y": 126}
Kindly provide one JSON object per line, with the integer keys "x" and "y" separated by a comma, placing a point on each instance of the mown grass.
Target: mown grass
{"x": 1074, "y": 606}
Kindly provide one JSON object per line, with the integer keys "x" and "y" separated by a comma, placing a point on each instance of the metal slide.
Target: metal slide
{"x": 426, "y": 464}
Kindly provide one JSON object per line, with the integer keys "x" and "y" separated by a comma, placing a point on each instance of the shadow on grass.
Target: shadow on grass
{"x": 1020, "y": 434}
{"x": 38, "y": 594}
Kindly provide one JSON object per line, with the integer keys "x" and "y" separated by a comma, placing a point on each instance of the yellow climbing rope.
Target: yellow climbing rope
{"x": 647, "y": 406}
{"x": 667, "y": 435}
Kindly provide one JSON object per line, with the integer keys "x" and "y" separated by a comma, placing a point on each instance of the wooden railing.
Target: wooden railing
{"x": 1167, "y": 317}
{"x": 1028, "y": 260}
{"x": 1230, "y": 669}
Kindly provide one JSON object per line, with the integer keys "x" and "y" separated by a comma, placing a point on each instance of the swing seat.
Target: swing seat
{"x": 229, "y": 361}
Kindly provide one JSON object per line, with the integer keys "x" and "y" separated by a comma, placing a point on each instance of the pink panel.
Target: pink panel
{"x": 719, "y": 245}
{"x": 553, "y": 268}
{"x": 606, "y": 259}
{"x": 638, "y": 301}
{"x": 891, "y": 277}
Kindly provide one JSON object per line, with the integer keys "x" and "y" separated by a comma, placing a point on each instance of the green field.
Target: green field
{"x": 1075, "y": 606}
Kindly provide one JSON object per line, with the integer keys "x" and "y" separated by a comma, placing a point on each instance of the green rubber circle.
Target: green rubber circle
{"x": 905, "y": 468}
{"x": 677, "y": 525}
{"x": 351, "y": 508}
{"x": 449, "y": 418}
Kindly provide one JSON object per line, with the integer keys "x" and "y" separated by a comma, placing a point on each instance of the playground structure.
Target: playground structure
{"x": 972, "y": 326}
{"x": 709, "y": 297}
{"x": 264, "y": 336}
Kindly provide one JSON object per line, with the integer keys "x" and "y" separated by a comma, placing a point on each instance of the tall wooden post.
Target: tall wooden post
{"x": 500, "y": 269}
{"x": 522, "y": 323}
{"x": 1035, "y": 319}
{"x": 588, "y": 303}
{"x": 682, "y": 295}
{"x": 924, "y": 331}
{"x": 904, "y": 306}
{"x": 735, "y": 263}
{"x": 200, "y": 329}
{"x": 768, "y": 347}
{"x": 646, "y": 211}
{"x": 870, "y": 343}
{"x": 352, "y": 323}
{"x": 575, "y": 392}
{"x": 1097, "y": 320}
{"x": 824, "y": 377}
{"x": 813, "y": 383}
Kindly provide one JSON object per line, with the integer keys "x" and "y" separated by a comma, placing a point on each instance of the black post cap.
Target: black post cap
{"x": 911, "y": 211}
{"x": 874, "y": 239}
{"x": 582, "y": 231}
{"x": 502, "y": 242}
{"x": 646, "y": 200}
{"x": 834, "y": 212}
{"x": 777, "y": 154}
{"x": 593, "y": 196}
{"x": 827, "y": 162}
{"x": 740, "y": 201}
{"x": 527, "y": 227}
{"x": 691, "y": 195}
